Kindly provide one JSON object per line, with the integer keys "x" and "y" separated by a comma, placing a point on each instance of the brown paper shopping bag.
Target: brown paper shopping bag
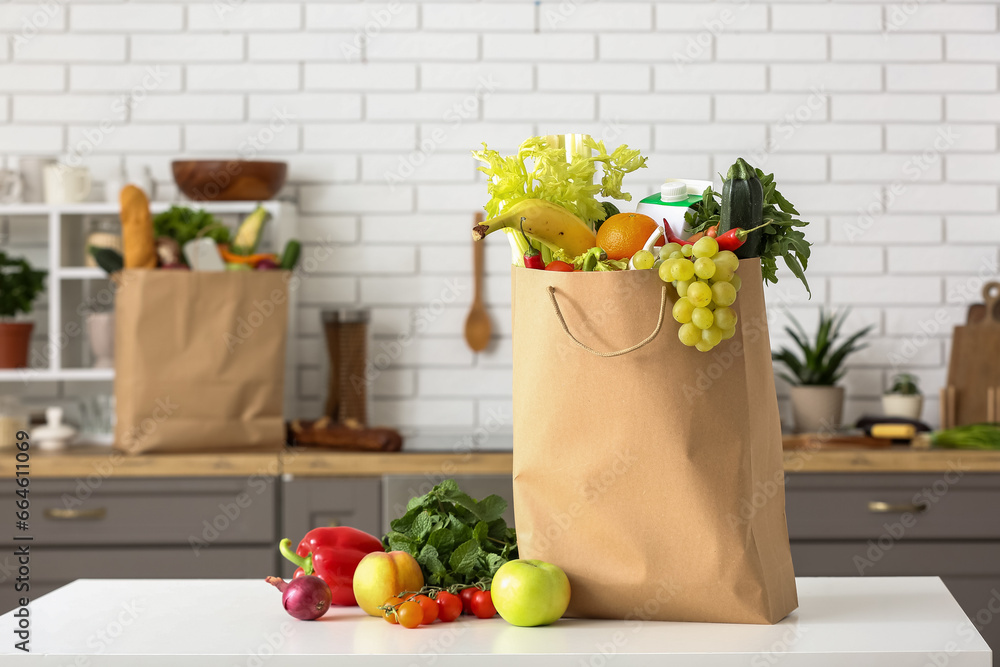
{"x": 649, "y": 471}
{"x": 200, "y": 360}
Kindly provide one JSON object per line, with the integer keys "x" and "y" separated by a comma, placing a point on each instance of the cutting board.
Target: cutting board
{"x": 973, "y": 392}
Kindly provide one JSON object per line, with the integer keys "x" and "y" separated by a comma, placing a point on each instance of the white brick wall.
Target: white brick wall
{"x": 880, "y": 121}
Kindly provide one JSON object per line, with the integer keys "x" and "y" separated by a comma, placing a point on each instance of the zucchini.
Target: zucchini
{"x": 290, "y": 256}
{"x": 743, "y": 207}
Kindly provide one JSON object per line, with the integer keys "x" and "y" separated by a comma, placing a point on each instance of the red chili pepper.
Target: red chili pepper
{"x": 735, "y": 237}
{"x": 557, "y": 265}
{"x": 671, "y": 237}
{"x": 332, "y": 554}
{"x": 532, "y": 258}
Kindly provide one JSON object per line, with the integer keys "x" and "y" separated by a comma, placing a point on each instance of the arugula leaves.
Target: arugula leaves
{"x": 457, "y": 540}
{"x": 781, "y": 239}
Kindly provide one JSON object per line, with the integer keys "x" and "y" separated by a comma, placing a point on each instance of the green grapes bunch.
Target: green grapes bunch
{"x": 706, "y": 282}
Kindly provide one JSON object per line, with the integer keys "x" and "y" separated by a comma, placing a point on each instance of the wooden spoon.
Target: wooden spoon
{"x": 477, "y": 323}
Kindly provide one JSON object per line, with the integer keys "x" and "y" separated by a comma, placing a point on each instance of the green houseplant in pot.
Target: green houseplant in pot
{"x": 20, "y": 286}
{"x": 904, "y": 398}
{"x": 814, "y": 368}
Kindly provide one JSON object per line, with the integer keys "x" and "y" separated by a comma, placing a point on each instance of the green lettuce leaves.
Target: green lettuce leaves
{"x": 458, "y": 541}
{"x": 541, "y": 170}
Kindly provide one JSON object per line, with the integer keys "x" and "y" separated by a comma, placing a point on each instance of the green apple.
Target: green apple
{"x": 530, "y": 592}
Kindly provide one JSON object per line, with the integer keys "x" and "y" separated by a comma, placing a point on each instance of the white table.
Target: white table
{"x": 863, "y": 622}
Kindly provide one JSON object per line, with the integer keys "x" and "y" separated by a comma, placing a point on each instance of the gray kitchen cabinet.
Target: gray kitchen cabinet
{"x": 903, "y": 524}
{"x": 398, "y": 489}
{"x": 143, "y": 528}
{"x": 309, "y": 503}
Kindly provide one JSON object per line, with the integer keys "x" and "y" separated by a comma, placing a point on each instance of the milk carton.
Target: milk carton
{"x": 675, "y": 197}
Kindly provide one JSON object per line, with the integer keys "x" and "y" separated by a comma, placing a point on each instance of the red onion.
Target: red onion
{"x": 305, "y": 598}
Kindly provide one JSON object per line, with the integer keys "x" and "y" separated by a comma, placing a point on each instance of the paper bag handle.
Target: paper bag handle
{"x": 649, "y": 338}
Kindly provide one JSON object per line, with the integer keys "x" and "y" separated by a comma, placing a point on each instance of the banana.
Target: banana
{"x": 549, "y": 223}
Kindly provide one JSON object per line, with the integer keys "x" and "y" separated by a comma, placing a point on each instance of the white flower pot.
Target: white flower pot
{"x": 902, "y": 405}
{"x": 817, "y": 409}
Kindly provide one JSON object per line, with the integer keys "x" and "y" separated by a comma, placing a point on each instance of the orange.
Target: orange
{"x": 623, "y": 234}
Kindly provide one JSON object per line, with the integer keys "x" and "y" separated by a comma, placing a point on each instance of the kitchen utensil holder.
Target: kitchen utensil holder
{"x": 346, "y": 332}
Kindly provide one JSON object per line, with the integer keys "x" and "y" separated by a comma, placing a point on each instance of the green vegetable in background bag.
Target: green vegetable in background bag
{"x": 183, "y": 224}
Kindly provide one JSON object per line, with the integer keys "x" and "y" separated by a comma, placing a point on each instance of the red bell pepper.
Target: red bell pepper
{"x": 332, "y": 554}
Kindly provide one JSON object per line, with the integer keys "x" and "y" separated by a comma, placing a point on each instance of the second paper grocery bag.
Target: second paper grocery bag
{"x": 649, "y": 471}
{"x": 200, "y": 360}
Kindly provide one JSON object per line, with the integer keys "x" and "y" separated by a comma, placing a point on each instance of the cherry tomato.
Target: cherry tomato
{"x": 410, "y": 614}
{"x": 466, "y": 596}
{"x": 557, "y": 265}
{"x": 482, "y": 605}
{"x": 390, "y": 614}
{"x": 428, "y": 606}
{"x": 449, "y": 606}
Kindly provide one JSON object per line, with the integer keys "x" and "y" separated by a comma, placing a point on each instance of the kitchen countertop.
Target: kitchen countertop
{"x": 874, "y": 621}
{"x": 103, "y": 462}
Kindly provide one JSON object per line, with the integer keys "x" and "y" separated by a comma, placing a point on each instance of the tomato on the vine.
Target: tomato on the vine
{"x": 389, "y": 611}
{"x": 449, "y": 606}
{"x": 482, "y": 605}
{"x": 410, "y": 614}
{"x": 466, "y": 596}
{"x": 428, "y": 606}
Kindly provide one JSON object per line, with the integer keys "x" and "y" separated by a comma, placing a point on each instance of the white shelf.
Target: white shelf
{"x": 49, "y": 375}
{"x": 74, "y": 281}
{"x": 81, "y": 273}
{"x": 111, "y": 208}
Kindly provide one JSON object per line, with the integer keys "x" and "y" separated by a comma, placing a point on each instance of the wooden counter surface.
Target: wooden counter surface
{"x": 99, "y": 461}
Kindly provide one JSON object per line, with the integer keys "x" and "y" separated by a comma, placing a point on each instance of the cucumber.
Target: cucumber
{"x": 107, "y": 258}
{"x": 290, "y": 255}
{"x": 743, "y": 207}
{"x": 609, "y": 210}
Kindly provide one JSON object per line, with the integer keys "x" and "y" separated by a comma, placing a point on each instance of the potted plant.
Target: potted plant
{"x": 20, "y": 285}
{"x": 903, "y": 399}
{"x": 817, "y": 403}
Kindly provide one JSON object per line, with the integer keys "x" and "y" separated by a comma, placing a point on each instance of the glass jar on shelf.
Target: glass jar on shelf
{"x": 13, "y": 418}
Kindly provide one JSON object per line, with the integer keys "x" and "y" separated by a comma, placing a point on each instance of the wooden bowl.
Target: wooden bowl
{"x": 229, "y": 180}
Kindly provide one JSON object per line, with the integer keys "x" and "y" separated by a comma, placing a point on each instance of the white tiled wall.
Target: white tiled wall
{"x": 879, "y": 120}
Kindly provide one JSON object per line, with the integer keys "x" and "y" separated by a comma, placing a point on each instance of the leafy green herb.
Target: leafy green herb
{"x": 183, "y": 224}
{"x": 703, "y": 214}
{"x": 970, "y": 436}
{"x": 781, "y": 239}
{"x": 540, "y": 170}
{"x": 457, "y": 540}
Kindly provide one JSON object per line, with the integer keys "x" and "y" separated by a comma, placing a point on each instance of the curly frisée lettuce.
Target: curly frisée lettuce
{"x": 541, "y": 170}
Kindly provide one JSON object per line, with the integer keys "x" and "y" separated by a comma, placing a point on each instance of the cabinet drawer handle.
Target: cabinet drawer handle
{"x": 879, "y": 507}
{"x": 60, "y": 514}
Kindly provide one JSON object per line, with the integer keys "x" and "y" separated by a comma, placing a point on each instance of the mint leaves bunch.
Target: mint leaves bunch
{"x": 457, "y": 540}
